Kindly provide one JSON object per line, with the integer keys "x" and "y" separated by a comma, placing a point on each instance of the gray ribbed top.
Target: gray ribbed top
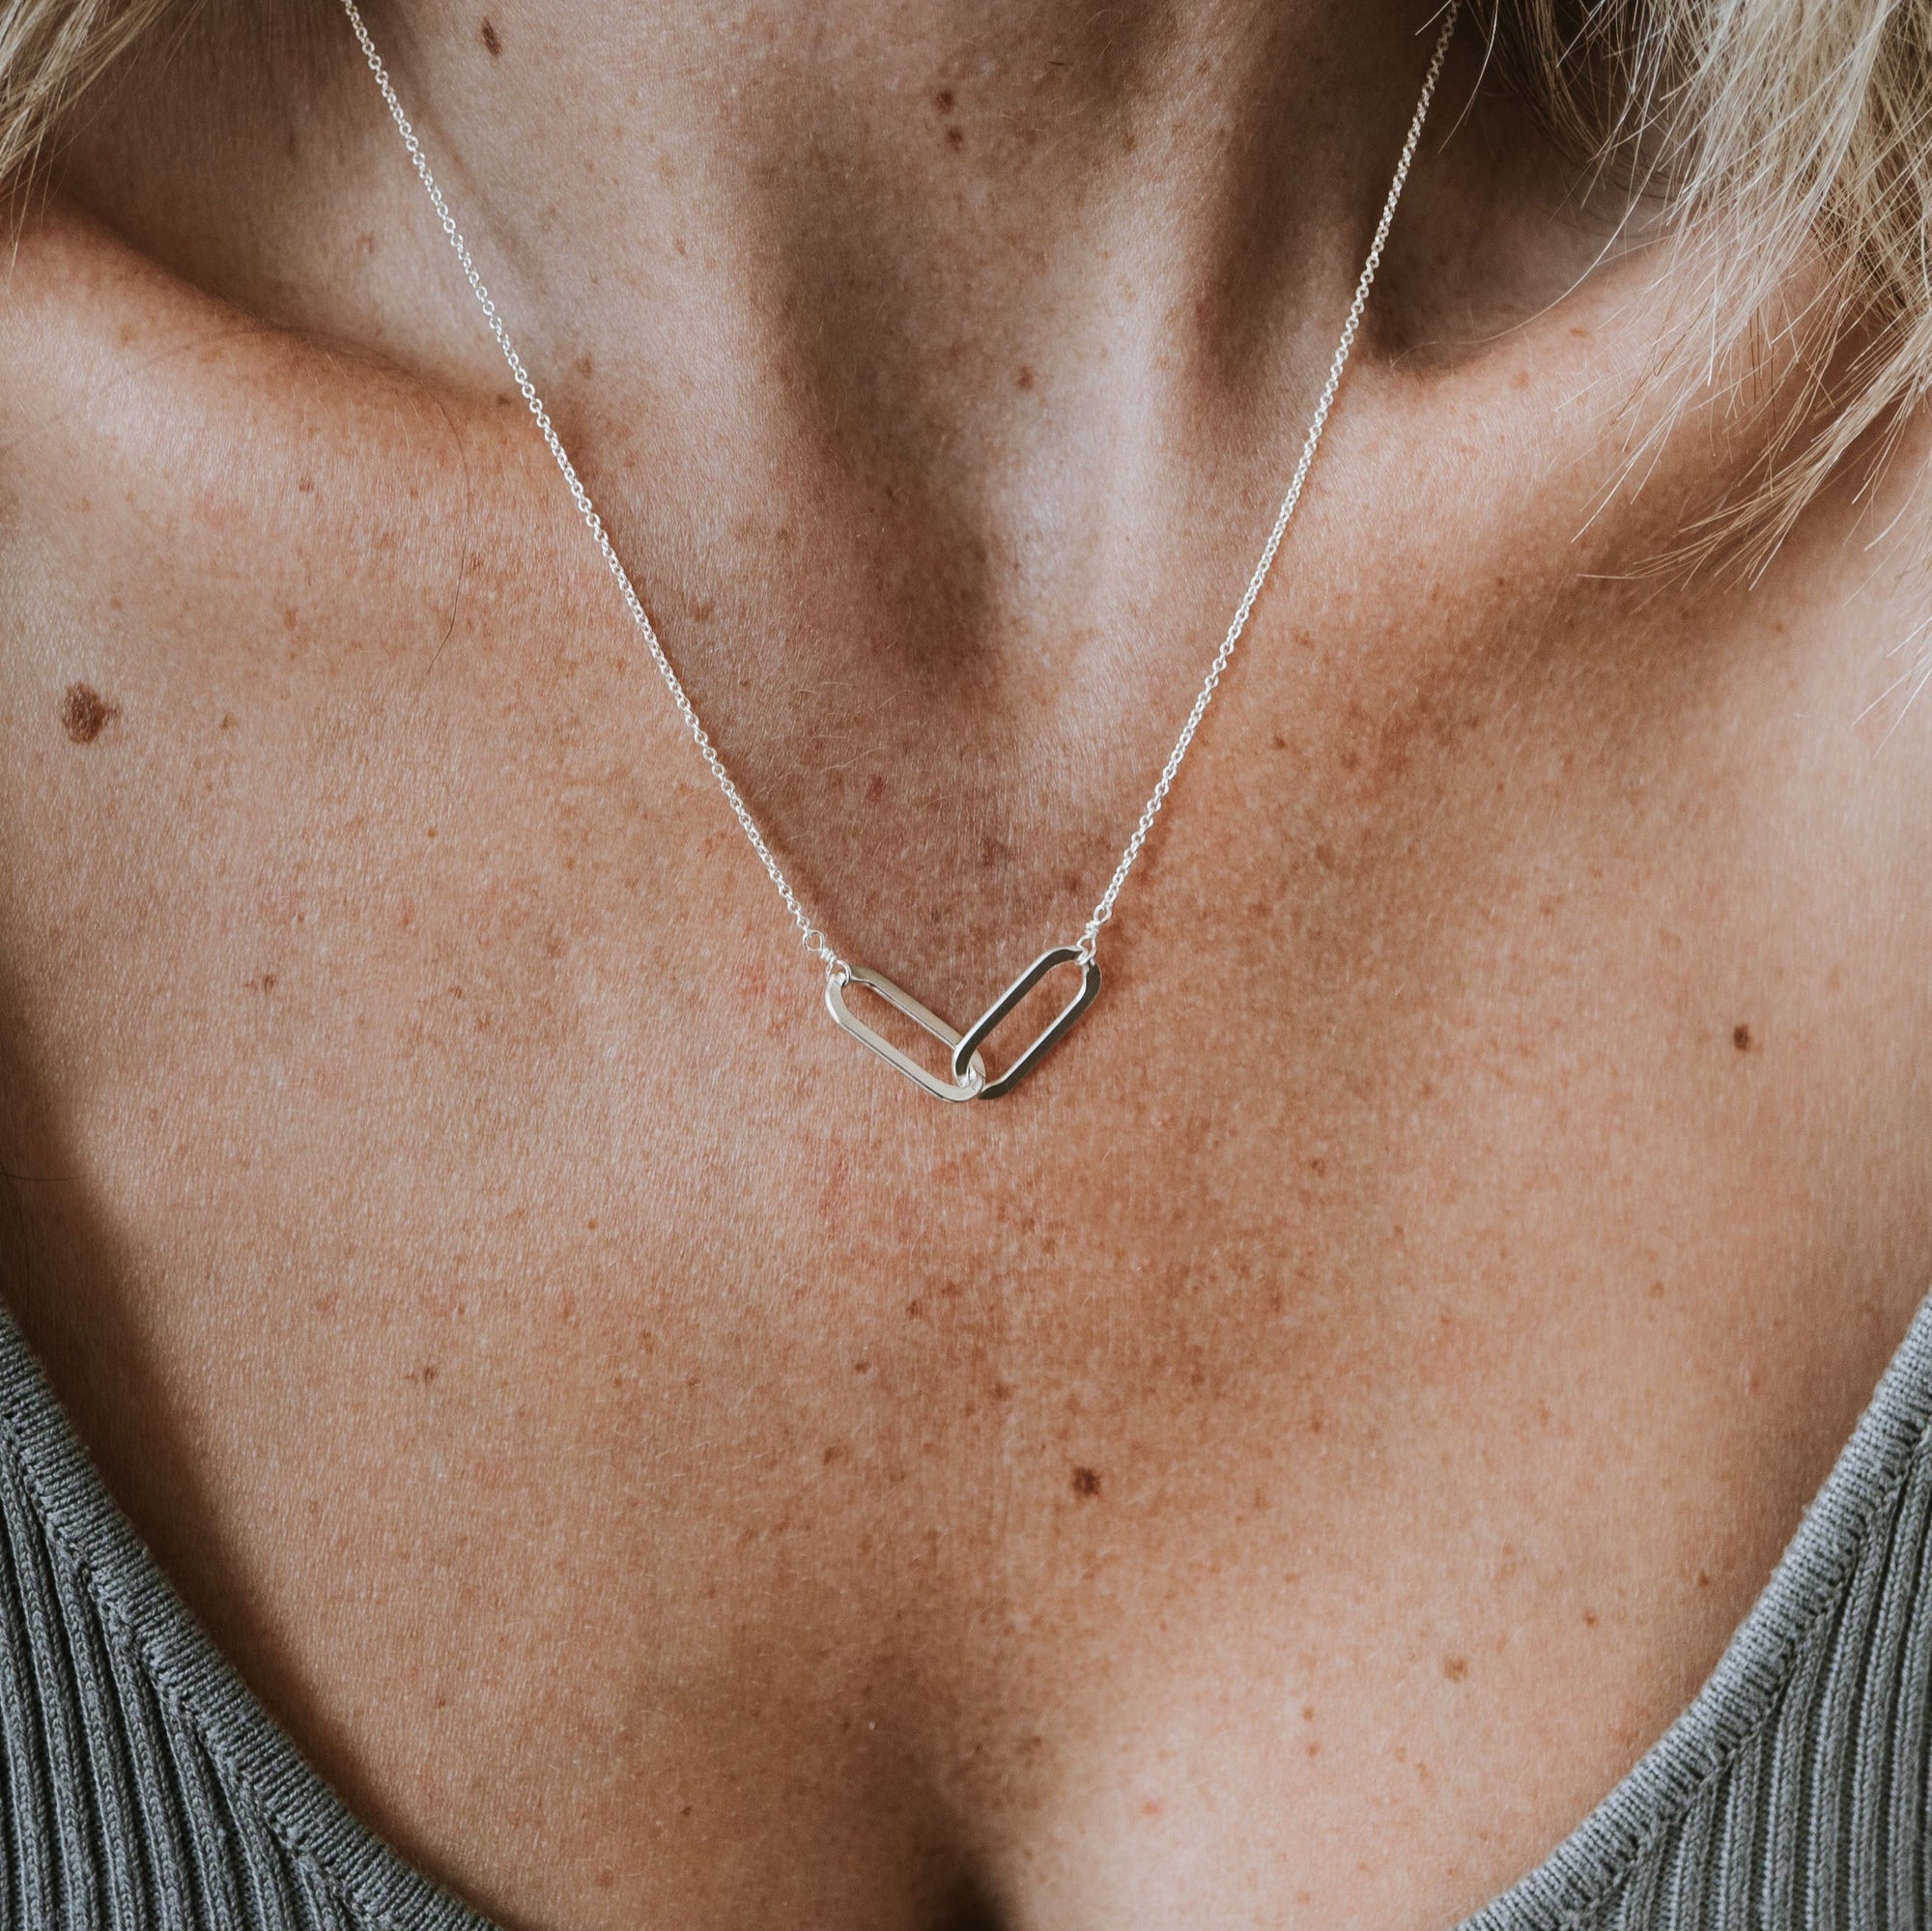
{"x": 143, "y": 1789}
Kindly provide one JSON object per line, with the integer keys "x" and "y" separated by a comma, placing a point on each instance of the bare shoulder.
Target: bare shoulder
{"x": 218, "y": 539}
{"x": 176, "y": 471}
{"x": 143, "y": 438}
{"x": 112, "y": 360}
{"x": 93, "y": 341}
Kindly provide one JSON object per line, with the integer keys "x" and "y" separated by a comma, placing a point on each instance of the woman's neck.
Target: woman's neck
{"x": 947, "y": 231}
{"x": 936, "y": 372}
{"x": 898, "y": 202}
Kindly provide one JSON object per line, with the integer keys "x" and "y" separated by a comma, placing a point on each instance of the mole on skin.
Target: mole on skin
{"x": 492, "y": 40}
{"x": 85, "y": 713}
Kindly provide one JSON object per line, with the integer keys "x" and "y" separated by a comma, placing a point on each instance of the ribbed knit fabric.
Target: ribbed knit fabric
{"x": 143, "y": 1789}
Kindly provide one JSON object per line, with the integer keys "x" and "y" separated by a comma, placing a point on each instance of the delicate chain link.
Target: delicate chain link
{"x": 814, "y": 939}
{"x": 1104, "y": 910}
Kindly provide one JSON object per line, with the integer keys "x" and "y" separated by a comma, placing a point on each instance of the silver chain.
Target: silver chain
{"x": 1312, "y": 441}
{"x": 812, "y": 937}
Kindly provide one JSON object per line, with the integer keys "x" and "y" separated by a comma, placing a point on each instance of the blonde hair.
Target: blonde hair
{"x": 52, "y": 52}
{"x": 1788, "y": 131}
{"x": 1777, "y": 136}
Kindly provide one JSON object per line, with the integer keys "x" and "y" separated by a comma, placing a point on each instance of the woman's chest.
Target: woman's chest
{"x": 1286, "y": 1460}
{"x": 1289, "y": 1457}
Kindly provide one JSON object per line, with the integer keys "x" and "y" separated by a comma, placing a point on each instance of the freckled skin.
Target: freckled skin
{"x": 1287, "y": 1459}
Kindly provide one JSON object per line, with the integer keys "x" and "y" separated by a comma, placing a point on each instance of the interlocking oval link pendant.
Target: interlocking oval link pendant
{"x": 970, "y": 1078}
{"x": 967, "y": 1052}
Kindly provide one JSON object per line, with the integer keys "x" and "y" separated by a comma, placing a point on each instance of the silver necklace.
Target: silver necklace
{"x": 968, "y": 1068}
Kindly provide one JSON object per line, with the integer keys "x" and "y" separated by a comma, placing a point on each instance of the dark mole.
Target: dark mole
{"x": 1741, "y": 1037}
{"x": 1086, "y": 1481}
{"x": 943, "y": 100}
{"x": 1455, "y": 1667}
{"x": 1024, "y": 380}
{"x": 492, "y": 40}
{"x": 85, "y": 712}
{"x": 954, "y": 138}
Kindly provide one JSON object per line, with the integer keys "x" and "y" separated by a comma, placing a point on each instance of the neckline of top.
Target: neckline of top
{"x": 87, "y": 1529}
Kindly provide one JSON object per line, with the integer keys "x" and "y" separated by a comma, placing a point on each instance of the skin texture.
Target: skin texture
{"x": 1282, "y": 1464}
